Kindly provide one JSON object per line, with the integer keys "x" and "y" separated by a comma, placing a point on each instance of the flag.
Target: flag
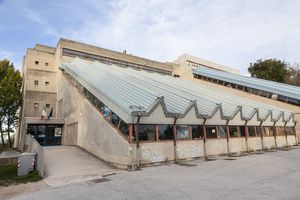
{"x": 44, "y": 114}
{"x": 50, "y": 113}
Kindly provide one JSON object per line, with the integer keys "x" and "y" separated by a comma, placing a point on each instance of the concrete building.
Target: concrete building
{"x": 133, "y": 111}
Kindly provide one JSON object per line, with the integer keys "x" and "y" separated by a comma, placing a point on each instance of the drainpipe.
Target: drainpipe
{"x": 175, "y": 140}
{"x": 137, "y": 141}
{"x": 227, "y": 137}
{"x": 285, "y": 134}
{"x": 246, "y": 136}
{"x": 204, "y": 139}
{"x": 275, "y": 134}
{"x": 261, "y": 136}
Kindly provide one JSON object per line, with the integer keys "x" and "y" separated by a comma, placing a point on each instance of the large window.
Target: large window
{"x": 211, "y": 132}
{"x": 252, "y": 131}
{"x": 222, "y": 132}
{"x": 165, "y": 132}
{"x": 197, "y": 132}
{"x": 267, "y": 131}
{"x": 259, "y": 131}
{"x": 242, "y": 131}
{"x": 280, "y": 131}
{"x": 182, "y": 132}
{"x": 289, "y": 130}
{"x": 147, "y": 132}
{"x": 234, "y": 131}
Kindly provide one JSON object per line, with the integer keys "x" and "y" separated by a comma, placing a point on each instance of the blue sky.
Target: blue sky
{"x": 233, "y": 33}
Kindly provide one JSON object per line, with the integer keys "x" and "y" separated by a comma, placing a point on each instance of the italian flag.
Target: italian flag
{"x": 44, "y": 114}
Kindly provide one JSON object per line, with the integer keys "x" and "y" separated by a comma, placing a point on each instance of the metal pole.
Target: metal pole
{"x": 204, "y": 139}
{"x": 137, "y": 143}
{"x": 175, "y": 140}
{"x": 227, "y": 138}
{"x": 285, "y": 134}
{"x": 275, "y": 135}
{"x": 261, "y": 136}
{"x": 246, "y": 136}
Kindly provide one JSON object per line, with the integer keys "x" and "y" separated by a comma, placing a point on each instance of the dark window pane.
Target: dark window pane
{"x": 165, "y": 132}
{"x": 115, "y": 120}
{"x": 251, "y": 131}
{"x": 280, "y": 131}
{"x": 290, "y": 130}
{"x": 124, "y": 128}
{"x": 242, "y": 131}
{"x": 233, "y": 131}
{"x": 147, "y": 132}
{"x": 182, "y": 132}
{"x": 197, "y": 132}
{"x": 222, "y": 131}
{"x": 259, "y": 131}
{"x": 211, "y": 132}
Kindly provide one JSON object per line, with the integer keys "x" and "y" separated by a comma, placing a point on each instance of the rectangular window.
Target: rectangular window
{"x": 182, "y": 132}
{"x": 280, "y": 131}
{"x": 36, "y": 82}
{"x": 222, "y": 132}
{"x": 252, "y": 131}
{"x": 36, "y": 62}
{"x": 47, "y": 83}
{"x": 47, "y": 105}
{"x": 147, "y": 132}
{"x": 242, "y": 131}
{"x": 267, "y": 131}
{"x": 211, "y": 132}
{"x": 197, "y": 132}
{"x": 289, "y": 130}
{"x": 165, "y": 132}
{"x": 234, "y": 131}
{"x": 259, "y": 131}
{"x": 46, "y": 64}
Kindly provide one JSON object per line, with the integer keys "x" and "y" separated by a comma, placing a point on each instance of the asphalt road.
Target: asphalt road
{"x": 269, "y": 176}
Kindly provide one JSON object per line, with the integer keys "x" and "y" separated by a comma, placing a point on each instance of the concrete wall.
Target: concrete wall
{"x": 216, "y": 147}
{"x": 237, "y": 145}
{"x": 254, "y": 143}
{"x": 281, "y": 141}
{"x": 269, "y": 142}
{"x": 156, "y": 152}
{"x": 190, "y": 149}
{"x": 94, "y": 134}
{"x": 291, "y": 140}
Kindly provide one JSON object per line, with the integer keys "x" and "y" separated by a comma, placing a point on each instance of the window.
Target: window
{"x": 211, "y": 132}
{"x": 147, "y": 132}
{"x": 165, "y": 132}
{"x": 252, "y": 131}
{"x": 280, "y": 131}
{"x": 234, "y": 131}
{"x": 36, "y": 82}
{"x": 115, "y": 119}
{"x": 47, "y": 83}
{"x": 47, "y": 105}
{"x": 259, "y": 131}
{"x": 182, "y": 132}
{"x": 289, "y": 130}
{"x": 36, "y": 105}
{"x": 242, "y": 131}
{"x": 46, "y": 64}
{"x": 197, "y": 132}
{"x": 36, "y": 62}
{"x": 267, "y": 131}
{"x": 221, "y": 131}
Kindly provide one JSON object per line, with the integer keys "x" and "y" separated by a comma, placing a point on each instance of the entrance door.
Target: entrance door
{"x": 46, "y": 134}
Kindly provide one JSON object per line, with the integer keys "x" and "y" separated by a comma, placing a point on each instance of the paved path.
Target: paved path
{"x": 269, "y": 176}
{"x": 69, "y": 164}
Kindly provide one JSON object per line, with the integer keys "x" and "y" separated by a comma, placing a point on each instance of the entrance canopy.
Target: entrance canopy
{"x": 161, "y": 98}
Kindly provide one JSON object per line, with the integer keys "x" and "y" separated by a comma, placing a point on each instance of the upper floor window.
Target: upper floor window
{"x": 36, "y": 105}
{"x": 47, "y": 83}
{"x": 36, "y": 82}
{"x": 47, "y": 105}
{"x": 36, "y": 62}
{"x": 46, "y": 64}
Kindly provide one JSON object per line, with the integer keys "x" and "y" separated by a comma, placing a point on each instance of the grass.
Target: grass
{"x": 8, "y": 176}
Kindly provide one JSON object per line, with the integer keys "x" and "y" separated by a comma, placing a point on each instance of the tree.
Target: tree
{"x": 293, "y": 76}
{"x": 10, "y": 98}
{"x": 269, "y": 69}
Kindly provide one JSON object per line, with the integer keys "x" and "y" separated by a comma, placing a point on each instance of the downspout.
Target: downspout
{"x": 137, "y": 141}
{"x": 261, "y": 136}
{"x": 227, "y": 137}
{"x": 204, "y": 139}
{"x": 175, "y": 140}
{"x": 275, "y": 134}
{"x": 246, "y": 136}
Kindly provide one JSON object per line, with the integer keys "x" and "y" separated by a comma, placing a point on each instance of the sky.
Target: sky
{"x": 233, "y": 33}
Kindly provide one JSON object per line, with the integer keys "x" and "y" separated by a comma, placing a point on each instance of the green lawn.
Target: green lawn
{"x": 8, "y": 176}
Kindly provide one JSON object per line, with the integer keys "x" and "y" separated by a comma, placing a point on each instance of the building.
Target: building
{"x": 133, "y": 111}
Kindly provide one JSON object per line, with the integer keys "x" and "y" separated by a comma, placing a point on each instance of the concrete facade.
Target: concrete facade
{"x": 46, "y": 85}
